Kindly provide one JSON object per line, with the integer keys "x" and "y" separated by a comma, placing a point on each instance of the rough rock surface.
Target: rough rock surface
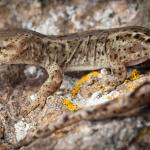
{"x": 59, "y": 17}
{"x": 111, "y": 134}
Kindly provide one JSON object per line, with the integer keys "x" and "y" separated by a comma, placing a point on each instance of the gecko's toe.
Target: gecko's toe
{"x": 24, "y": 113}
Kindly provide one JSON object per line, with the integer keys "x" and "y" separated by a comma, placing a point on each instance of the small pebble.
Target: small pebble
{"x": 33, "y": 97}
{"x": 104, "y": 71}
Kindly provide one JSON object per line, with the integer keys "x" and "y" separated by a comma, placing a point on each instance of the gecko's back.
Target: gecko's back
{"x": 79, "y": 51}
{"x": 130, "y": 46}
{"x": 115, "y": 48}
{"x": 106, "y": 48}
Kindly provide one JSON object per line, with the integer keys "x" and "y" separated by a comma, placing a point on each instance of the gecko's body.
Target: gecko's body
{"x": 114, "y": 48}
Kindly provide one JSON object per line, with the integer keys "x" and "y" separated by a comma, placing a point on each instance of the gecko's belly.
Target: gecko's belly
{"x": 136, "y": 62}
{"x": 81, "y": 68}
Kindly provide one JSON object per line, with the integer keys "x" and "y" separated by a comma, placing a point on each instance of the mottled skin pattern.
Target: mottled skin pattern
{"x": 114, "y": 48}
{"x": 127, "y": 106}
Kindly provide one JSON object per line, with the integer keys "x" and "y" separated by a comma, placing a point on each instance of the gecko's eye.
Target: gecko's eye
{"x": 139, "y": 37}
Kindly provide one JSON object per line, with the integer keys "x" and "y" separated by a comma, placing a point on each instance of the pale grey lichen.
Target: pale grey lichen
{"x": 21, "y": 128}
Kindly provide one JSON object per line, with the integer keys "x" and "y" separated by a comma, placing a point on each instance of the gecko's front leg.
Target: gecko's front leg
{"x": 49, "y": 87}
{"x": 119, "y": 73}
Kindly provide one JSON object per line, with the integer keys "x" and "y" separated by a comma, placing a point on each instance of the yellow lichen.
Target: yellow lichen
{"x": 134, "y": 75}
{"x": 76, "y": 88}
{"x": 70, "y": 105}
{"x": 126, "y": 81}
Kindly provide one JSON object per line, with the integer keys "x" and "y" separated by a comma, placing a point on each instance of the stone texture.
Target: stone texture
{"x": 59, "y": 17}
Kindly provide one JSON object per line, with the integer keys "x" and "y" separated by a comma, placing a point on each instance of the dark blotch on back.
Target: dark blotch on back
{"x": 115, "y": 56}
{"x": 117, "y": 37}
{"x": 102, "y": 53}
{"x": 139, "y": 37}
{"x": 128, "y": 35}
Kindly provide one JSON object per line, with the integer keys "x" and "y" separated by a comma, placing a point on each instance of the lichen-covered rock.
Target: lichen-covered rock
{"x": 18, "y": 82}
{"x": 90, "y": 128}
{"x": 112, "y": 134}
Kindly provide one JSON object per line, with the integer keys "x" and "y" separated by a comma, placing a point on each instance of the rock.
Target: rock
{"x": 19, "y": 82}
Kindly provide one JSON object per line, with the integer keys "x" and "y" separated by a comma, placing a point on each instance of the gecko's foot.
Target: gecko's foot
{"x": 94, "y": 82}
{"x": 31, "y": 108}
{"x": 108, "y": 84}
{"x": 39, "y": 102}
{"x": 26, "y": 112}
{"x": 101, "y": 85}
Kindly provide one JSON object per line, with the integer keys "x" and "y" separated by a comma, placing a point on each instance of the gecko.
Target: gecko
{"x": 115, "y": 48}
{"x": 136, "y": 102}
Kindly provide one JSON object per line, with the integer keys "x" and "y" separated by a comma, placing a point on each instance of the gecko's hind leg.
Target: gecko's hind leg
{"x": 49, "y": 87}
{"x": 119, "y": 73}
